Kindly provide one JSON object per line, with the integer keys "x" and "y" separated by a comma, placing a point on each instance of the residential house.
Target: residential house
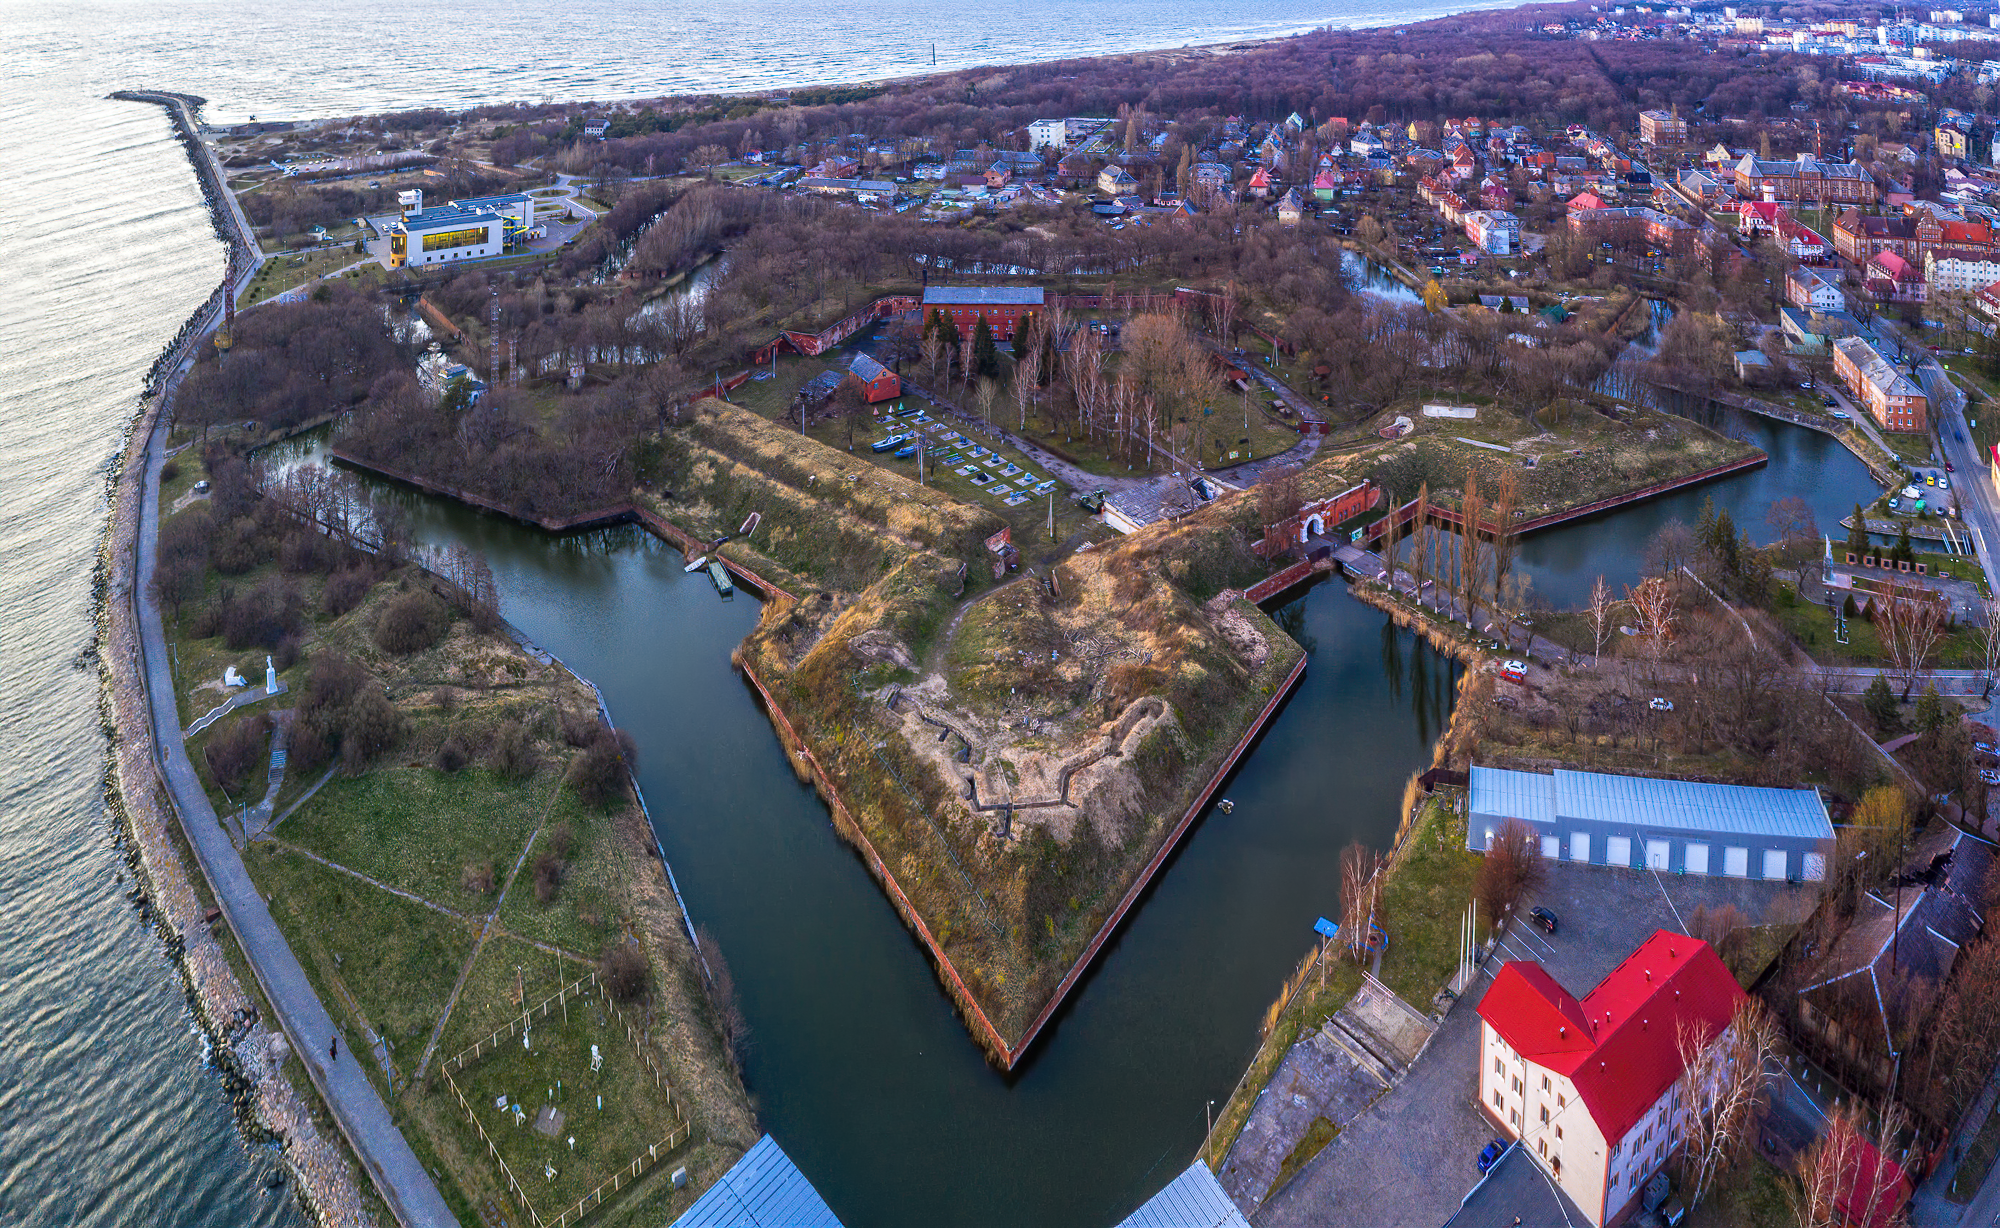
{"x": 1588, "y": 1086}
{"x": 1919, "y": 227}
{"x": 1291, "y": 210}
{"x": 1662, "y": 128}
{"x": 1810, "y": 290}
{"x": 1893, "y": 279}
{"x": 1326, "y": 185}
{"x": 1873, "y": 986}
{"x": 1950, "y": 142}
{"x": 1946, "y": 269}
{"x": 1892, "y": 397}
{"x": 1116, "y": 181}
{"x": 1271, "y": 153}
{"x": 1260, "y": 184}
{"x": 1496, "y": 231}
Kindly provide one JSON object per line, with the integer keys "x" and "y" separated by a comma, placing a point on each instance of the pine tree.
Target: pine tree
{"x": 1880, "y": 704}
{"x": 985, "y": 359}
{"x": 1905, "y": 553}
{"x": 1857, "y": 535}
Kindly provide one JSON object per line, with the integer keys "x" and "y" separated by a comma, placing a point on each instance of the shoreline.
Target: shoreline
{"x": 249, "y": 1054}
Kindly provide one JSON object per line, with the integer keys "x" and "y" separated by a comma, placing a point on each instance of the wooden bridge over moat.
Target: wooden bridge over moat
{"x": 1355, "y": 559}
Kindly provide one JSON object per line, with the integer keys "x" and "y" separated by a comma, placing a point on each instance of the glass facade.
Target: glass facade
{"x": 445, "y": 239}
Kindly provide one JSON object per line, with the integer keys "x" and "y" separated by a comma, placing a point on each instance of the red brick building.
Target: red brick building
{"x": 878, "y": 383}
{"x": 1004, "y": 307}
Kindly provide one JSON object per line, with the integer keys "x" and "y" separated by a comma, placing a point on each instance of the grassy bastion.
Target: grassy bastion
{"x": 1015, "y": 756}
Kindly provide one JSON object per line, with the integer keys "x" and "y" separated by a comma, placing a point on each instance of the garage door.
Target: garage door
{"x": 1656, "y": 855}
{"x": 1618, "y": 850}
{"x": 1579, "y": 846}
{"x": 1814, "y": 868}
{"x": 1552, "y": 847}
{"x": 1736, "y": 862}
{"x": 1697, "y": 858}
{"x": 1774, "y": 864}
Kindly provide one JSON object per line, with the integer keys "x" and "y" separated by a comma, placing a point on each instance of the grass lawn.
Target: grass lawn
{"x": 417, "y": 828}
{"x": 1911, "y": 447}
{"x": 1753, "y": 1196}
{"x": 368, "y": 950}
{"x": 585, "y": 913}
{"x": 1812, "y": 627}
{"x": 282, "y": 272}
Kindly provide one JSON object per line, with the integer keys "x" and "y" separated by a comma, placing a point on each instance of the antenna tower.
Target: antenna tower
{"x": 493, "y": 337}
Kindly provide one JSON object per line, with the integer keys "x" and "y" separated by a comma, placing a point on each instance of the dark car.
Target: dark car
{"x": 1546, "y": 919}
{"x": 1489, "y": 1154}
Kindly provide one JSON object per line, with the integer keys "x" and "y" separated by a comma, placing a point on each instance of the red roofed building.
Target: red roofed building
{"x": 1588, "y": 1085}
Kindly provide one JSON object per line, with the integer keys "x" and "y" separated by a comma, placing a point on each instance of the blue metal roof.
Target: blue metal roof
{"x": 491, "y": 202}
{"x": 1192, "y": 1200}
{"x": 763, "y": 1190}
{"x": 1530, "y": 796}
{"x": 1640, "y": 801}
{"x": 1691, "y": 806}
{"x": 974, "y": 296}
{"x": 865, "y": 366}
{"x": 445, "y": 217}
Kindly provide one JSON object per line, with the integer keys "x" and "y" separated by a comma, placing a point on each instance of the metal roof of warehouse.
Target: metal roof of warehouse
{"x": 1016, "y": 296}
{"x": 1194, "y": 1199}
{"x": 763, "y": 1190}
{"x": 1685, "y": 805}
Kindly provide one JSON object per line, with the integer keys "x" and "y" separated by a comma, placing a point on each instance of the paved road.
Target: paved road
{"x": 1979, "y": 507}
{"x": 356, "y": 1107}
{"x": 362, "y": 1116}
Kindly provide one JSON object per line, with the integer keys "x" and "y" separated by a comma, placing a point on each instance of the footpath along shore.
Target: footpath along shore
{"x": 157, "y": 788}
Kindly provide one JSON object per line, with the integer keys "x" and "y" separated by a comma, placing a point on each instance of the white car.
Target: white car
{"x": 1989, "y": 776}
{"x": 1659, "y": 704}
{"x": 1911, "y": 492}
{"x": 1515, "y": 669}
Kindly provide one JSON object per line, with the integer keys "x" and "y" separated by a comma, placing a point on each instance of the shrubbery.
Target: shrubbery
{"x": 411, "y": 622}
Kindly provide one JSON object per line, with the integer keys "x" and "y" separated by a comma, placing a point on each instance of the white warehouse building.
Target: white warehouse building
{"x": 1673, "y": 826}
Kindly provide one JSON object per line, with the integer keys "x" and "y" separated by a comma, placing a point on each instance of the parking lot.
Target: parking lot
{"x": 1410, "y": 1159}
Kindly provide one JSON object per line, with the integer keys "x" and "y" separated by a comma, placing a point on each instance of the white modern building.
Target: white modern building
{"x": 445, "y": 235}
{"x": 1496, "y": 231}
{"x": 1736, "y": 831}
{"x": 1048, "y": 134}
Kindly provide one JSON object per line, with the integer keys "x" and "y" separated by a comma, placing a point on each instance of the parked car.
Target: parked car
{"x": 1988, "y": 776}
{"x": 1829, "y": 402}
{"x": 1659, "y": 704}
{"x": 1985, "y": 748}
{"x": 1911, "y": 492}
{"x": 1515, "y": 669}
{"x": 1549, "y": 922}
{"x": 1949, "y": 468}
{"x": 1930, "y": 479}
{"x": 1489, "y": 1154}
{"x": 1839, "y": 414}
{"x": 201, "y": 487}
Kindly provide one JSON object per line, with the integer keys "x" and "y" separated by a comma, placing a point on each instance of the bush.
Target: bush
{"x": 239, "y": 548}
{"x": 304, "y": 550}
{"x": 236, "y": 749}
{"x": 580, "y": 728}
{"x": 562, "y": 841}
{"x": 411, "y": 623}
{"x": 262, "y": 616}
{"x": 512, "y": 756}
{"x": 286, "y": 654}
{"x": 598, "y": 774}
{"x": 451, "y": 755}
{"x": 170, "y": 471}
{"x": 344, "y": 590}
{"x": 548, "y": 877}
{"x": 623, "y": 971}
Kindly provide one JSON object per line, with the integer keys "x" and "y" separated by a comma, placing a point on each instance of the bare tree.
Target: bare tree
{"x": 1023, "y": 387}
{"x": 1655, "y": 602}
{"x": 1506, "y": 545}
{"x": 1600, "y": 618}
{"x": 1910, "y": 620}
{"x": 1847, "y": 1175}
{"x": 988, "y": 389}
{"x": 1512, "y": 868}
{"x": 1989, "y": 644}
{"x": 1278, "y": 498}
{"x": 1360, "y": 895}
{"x": 1723, "y": 1084}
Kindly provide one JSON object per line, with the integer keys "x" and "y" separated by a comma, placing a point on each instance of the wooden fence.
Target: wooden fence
{"x": 645, "y": 1160}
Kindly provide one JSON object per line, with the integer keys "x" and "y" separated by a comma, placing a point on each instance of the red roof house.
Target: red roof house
{"x": 1587, "y": 1084}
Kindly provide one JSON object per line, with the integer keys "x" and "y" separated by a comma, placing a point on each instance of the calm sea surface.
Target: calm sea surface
{"x": 109, "y": 1111}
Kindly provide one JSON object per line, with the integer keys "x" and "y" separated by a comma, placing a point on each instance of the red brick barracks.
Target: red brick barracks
{"x": 1004, "y": 307}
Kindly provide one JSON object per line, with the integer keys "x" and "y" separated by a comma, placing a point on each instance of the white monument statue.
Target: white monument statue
{"x": 596, "y": 1058}
{"x": 270, "y": 677}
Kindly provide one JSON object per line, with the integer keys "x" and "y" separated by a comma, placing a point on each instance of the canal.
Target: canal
{"x": 856, "y": 1060}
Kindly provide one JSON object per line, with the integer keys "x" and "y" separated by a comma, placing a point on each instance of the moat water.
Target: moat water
{"x": 110, "y": 1112}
